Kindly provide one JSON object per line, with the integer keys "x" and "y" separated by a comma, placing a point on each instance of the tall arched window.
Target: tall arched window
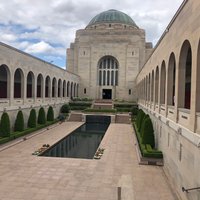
{"x": 71, "y": 90}
{"x": 18, "y": 83}
{"x": 30, "y": 85}
{"x": 64, "y": 88}
{"x": 108, "y": 71}
{"x": 198, "y": 80}
{"x": 68, "y": 88}
{"x": 54, "y": 86}
{"x": 185, "y": 70}
{"x": 39, "y": 86}
{"x": 171, "y": 80}
{"x": 152, "y": 86}
{"x": 162, "y": 83}
{"x": 47, "y": 87}
{"x": 59, "y": 87}
{"x": 156, "y": 84}
{"x": 4, "y": 81}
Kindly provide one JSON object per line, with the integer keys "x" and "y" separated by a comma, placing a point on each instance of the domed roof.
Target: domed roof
{"x": 112, "y": 16}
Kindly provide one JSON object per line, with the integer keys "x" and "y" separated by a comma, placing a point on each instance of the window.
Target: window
{"x": 109, "y": 25}
{"x": 108, "y": 71}
{"x": 84, "y": 90}
{"x": 129, "y": 91}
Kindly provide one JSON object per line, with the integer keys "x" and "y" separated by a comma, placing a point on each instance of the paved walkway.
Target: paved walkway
{"x": 27, "y": 177}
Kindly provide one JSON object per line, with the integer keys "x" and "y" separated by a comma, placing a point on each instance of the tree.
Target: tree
{"x": 19, "y": 122}
{"x": 50, "y": 114}
{"x": 148, "y": 133}
{"x": 41, "y": 116}
{"x": 32, "y": 119}
{"x": 5, "y": 125}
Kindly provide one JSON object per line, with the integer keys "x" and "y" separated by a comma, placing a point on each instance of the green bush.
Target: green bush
{"x": 5, "y": 125}
{"x": 50, "y": 114}
{"x": 139, "y": 118}
{"x": 123, "y": 109}
{"x": 143, "y": 125}
{"x": 41, "y": 116}
{"x": 19, "y": 122}
{"x": 101, "y": 110}
{"x": 65, "y": 108}
{"x": 79, "y": 104}
{"x": 78, "y": 107}
{"x": 124, "y": 105}
{"x": 134, "y": 111}
{"x": 32, "y": 119}
{"x": 148, "y": 133}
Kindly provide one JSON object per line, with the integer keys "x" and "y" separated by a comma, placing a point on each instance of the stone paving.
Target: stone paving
{"x": 27, "y": 177}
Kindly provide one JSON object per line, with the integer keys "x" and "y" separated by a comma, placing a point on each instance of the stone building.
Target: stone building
{"x": 107, "y": 56}
{"x": 168, "y": 89}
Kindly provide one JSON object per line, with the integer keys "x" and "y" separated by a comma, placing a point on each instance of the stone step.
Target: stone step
{"x": 122, "y": 119}
{"x": 75, "y": 117}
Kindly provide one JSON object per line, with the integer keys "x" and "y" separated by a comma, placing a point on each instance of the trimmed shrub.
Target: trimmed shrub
{"x": 65, "y": 108}
{"x": 143, "y": 125}
{"x": 148, "y": 133}
{"x": 50, "y": 114}
{"x": 101, "y": 110}
{"x": 41, "y": 116}
{"x": 139, "y": 119}
{"x": 134, "y": 111}
{"x": 19, "y": 122}
{"x": 32, "y": 119}
{"x": 79, "y": 104}
{"x": 5, "y": 125}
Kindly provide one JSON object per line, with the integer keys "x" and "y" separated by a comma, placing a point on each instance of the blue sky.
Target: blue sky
{"x": 45, "y": 28}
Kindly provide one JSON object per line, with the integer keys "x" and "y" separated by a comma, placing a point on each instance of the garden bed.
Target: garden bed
{"x": 146, "y": 155}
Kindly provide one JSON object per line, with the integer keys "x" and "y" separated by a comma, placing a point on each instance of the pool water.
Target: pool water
{"x": 81, "y": 143}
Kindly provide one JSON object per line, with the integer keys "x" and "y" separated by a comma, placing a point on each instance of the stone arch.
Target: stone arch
{"x": 185, "y": 74}
{"x": 171, "y": 80}
{"x": 152, "y": 85}
{"x": 54, "y": 87}
{"x": 4, "y": 81}
{"x": 71, "y": 90}
{"x": 18, "y": 83}
{"x": 64, "y": 88}
{"x": 156, "y": 84}
{"x": 198, "y": 80}
{"x": 47, "y": 87}
{"x": 68, "y": 88}
{"x": 30, "y": 85}
{"x": 162, "y": 82}
{"x": 40, "y": 83}
{"x": 59, "y": 88}
{"x": 74, "y": 89}
{"x": 108, "y": 71}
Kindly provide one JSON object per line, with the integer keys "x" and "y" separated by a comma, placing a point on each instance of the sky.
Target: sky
{"x": 45, "y": 28}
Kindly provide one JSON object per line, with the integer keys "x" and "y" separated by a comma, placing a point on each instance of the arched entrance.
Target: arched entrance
{"x": 107, "y": 76}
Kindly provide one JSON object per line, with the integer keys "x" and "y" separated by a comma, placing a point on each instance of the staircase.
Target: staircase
{"x": 75, "y": 117}
{"x": 122, "y": 119}
{"x": 102, "y": 104}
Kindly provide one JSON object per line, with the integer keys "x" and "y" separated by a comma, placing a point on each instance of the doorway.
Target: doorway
{"x": 107, "y": 94}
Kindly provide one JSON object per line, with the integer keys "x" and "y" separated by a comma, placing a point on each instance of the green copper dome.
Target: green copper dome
{"x": 112, "y": 16}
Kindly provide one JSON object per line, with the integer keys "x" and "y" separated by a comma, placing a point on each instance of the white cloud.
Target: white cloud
{"x": 41, "y": 47}
{"x": 48, "y": 26}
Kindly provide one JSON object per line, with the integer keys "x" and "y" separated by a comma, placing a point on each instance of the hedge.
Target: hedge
{"x": 148, "y": 132}
{"x": 78, "y": 107}
{"x": 124, "y": 105}
{"x": 32, "y": 119}
{"x": 18, "y": 134}
{"x": 5, "y": 125}
{"x": 65, "y": 108}
{"x": 41, "y": 116}
{"x": 50, "y": 114}
{"x": 123, "y": 109}
{"x": 19, "y": 122}
{"x": 146, "y": 150}
{"x": 101, "y": 110}
{"x": 134, "y": 111}
{"x": 79, "y": 104}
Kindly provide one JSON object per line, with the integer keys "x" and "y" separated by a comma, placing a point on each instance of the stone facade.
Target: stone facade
{"x": 27, "y": 82}
{"x": 124, "y": 43}
{"x": 169, "y": 91}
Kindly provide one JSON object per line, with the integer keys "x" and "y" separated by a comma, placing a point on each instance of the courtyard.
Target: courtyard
{"x": 115, "y": 176}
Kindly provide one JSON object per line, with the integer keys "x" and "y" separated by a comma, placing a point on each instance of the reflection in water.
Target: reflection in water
{"x": 81, "y": 143}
